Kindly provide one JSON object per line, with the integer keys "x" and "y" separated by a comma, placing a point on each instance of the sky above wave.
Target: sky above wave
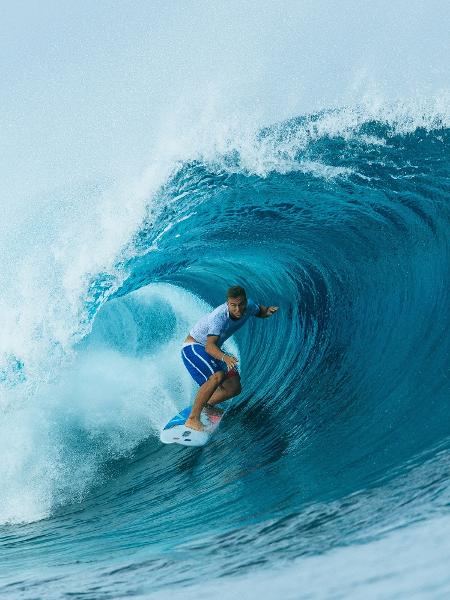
{"x": 87, "y": 87}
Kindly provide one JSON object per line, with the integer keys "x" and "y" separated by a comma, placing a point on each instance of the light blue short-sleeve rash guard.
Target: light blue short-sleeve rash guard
{"x": 218, "y": 322}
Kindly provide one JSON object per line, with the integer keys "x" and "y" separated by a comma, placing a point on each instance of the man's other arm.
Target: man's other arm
{"x": 266, "y": 311}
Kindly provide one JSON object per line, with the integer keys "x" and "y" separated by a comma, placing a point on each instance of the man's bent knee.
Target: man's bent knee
{"x": 236, "y": 388}
{"x": 233, "y": 386}
{"x": 217, "y": 377}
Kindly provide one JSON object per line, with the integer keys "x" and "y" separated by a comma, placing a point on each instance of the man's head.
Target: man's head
{"x": 237, "y": 301}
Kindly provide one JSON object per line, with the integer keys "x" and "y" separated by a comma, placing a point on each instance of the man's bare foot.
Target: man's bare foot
{"x": 194, "y": 424}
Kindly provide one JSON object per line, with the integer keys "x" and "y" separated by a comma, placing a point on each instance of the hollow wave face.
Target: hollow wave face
{"x": 342, "y": 431}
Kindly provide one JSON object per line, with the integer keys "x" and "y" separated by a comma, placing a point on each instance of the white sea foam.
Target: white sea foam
{"x": 226, "y": 143}
{"x": 104, "y": 403}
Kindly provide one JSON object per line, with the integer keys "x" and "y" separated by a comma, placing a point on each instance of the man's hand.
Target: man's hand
{"x": 230, "y": 361}
{"x": 266, "y": 311}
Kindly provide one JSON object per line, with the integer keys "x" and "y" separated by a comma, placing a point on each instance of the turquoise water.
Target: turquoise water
{"x": 338, "y": 449}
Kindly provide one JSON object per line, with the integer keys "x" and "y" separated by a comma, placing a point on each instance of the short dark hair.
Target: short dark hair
{"x": 236, "y": 291}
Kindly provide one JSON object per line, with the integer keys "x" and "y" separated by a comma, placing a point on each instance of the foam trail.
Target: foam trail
{"x": 117, "y": 391}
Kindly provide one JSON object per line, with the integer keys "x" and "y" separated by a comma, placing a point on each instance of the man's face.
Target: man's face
{"x": 237, "y": 306}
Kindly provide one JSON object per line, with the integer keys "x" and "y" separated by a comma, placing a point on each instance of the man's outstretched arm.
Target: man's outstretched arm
{"x": 266, "y": 311}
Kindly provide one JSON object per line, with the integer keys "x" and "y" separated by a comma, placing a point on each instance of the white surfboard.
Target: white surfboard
{"x": 175, "y": 432}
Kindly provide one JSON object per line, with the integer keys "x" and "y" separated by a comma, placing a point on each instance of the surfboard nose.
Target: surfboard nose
{"x": 184, "y": 436}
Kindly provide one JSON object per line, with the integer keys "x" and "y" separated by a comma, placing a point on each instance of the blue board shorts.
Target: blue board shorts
{"x": 202, "y": 365}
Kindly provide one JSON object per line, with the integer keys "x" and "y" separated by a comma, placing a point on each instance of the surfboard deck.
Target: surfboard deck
{"x": 175, "y": 432}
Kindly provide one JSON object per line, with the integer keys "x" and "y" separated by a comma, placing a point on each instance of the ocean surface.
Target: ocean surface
{"x": 329, "y": 476}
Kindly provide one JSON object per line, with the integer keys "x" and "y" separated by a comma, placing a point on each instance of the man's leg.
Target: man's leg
{"x": 230, "y": 388}
{"x": 203, "y": 395}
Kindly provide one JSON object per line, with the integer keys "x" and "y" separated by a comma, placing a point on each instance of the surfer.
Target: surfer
{"x": 212, "y": 369}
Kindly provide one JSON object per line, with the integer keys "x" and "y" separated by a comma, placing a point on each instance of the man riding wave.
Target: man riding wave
{"x": 211, "y": 368}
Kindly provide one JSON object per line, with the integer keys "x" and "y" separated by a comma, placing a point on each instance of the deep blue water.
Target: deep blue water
{"x": 340, "y": 439}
